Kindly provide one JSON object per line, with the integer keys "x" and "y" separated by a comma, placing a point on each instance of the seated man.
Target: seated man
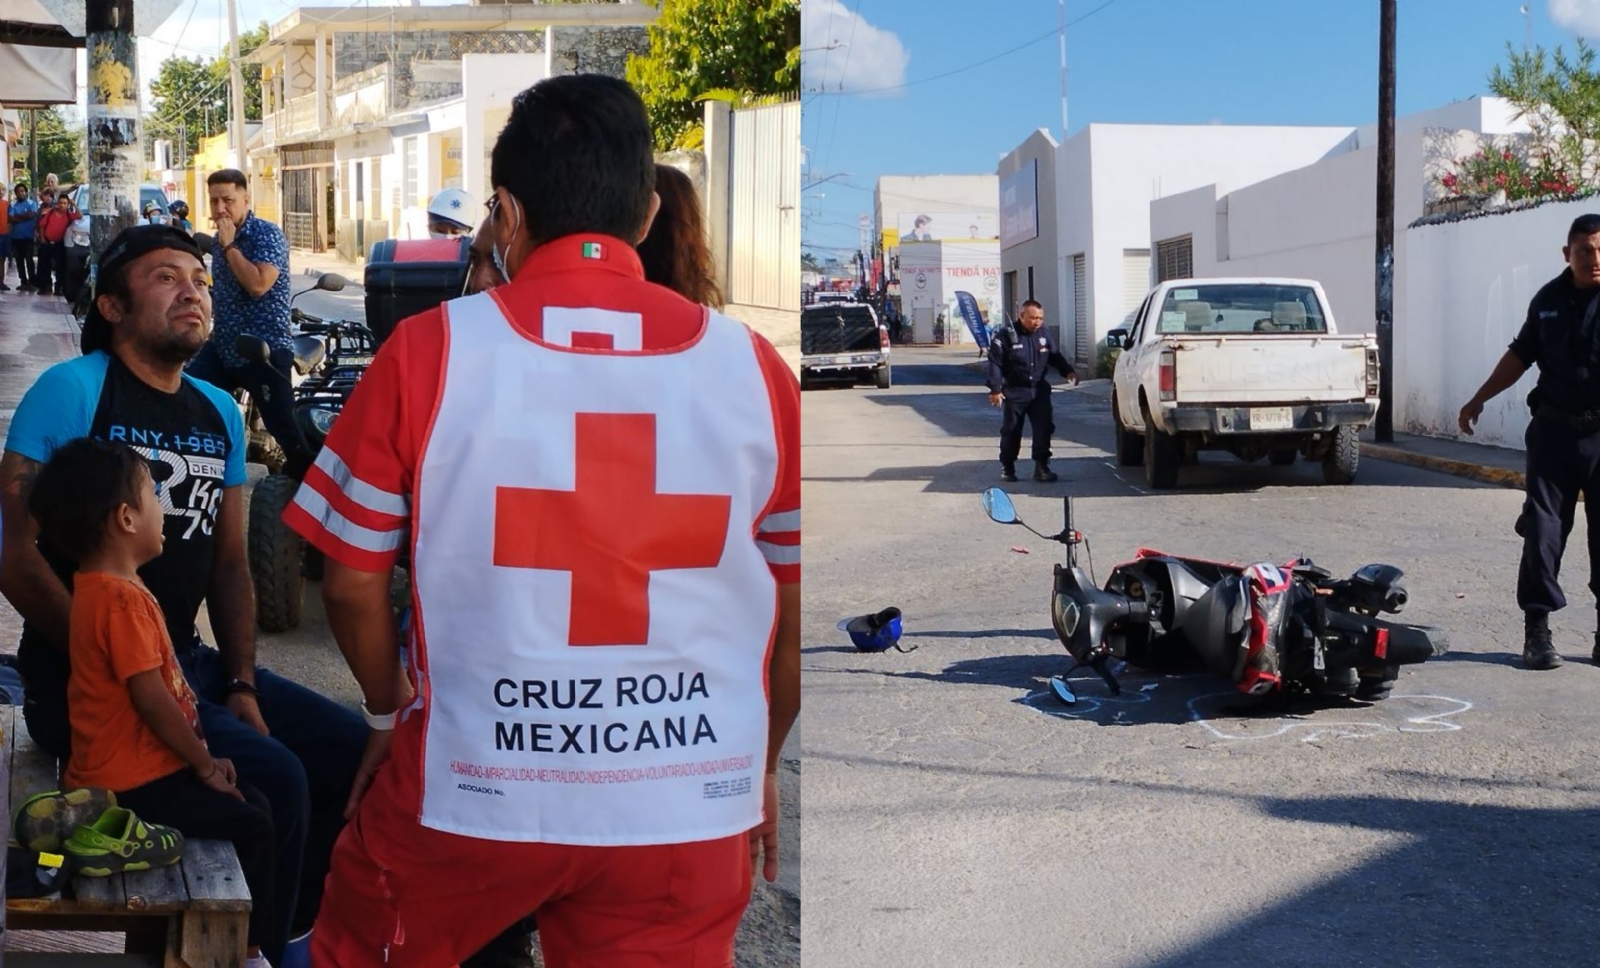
{"x": 150, "y": 315}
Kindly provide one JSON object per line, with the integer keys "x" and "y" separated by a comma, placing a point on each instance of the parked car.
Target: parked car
{"x": 1255, "y": 367}
{"x": 845, "y": 342}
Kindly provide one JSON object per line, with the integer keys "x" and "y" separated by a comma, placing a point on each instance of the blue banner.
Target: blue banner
{"x": 973, "y": 318}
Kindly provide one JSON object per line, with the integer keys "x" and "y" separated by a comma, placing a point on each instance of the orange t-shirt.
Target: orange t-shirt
{"x": 5, "y": 216}
{"x": 117, "y": 632}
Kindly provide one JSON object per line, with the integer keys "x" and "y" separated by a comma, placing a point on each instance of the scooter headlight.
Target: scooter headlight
{"x": 1067, "y": 616}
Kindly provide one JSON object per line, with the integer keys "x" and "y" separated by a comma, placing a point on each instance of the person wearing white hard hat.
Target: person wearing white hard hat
{"x": 450, "y": 214}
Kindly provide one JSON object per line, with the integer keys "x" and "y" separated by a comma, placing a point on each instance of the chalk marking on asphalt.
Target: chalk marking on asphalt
{"x": 1421, "y": 722}
{"x": 1435, "y": 722}
{"x": 1116, "y": 472}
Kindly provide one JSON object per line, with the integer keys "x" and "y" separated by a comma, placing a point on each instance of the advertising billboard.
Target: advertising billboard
{"x": 1019, "y": 205}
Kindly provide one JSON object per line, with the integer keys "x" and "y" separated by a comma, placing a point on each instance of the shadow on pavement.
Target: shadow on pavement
{"x": 1083, "y": 420}
{"x": 1474, "y": 886}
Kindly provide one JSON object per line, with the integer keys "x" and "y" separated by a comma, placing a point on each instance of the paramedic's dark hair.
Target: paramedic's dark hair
{"x": 576, "y": 153}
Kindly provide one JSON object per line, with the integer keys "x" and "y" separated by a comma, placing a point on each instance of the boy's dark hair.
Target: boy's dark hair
{"x": 576, "y": 152}
{"x": 78, "y": 488}
{"x": 1583, "y": 225}
{"x": 228, "y": 176}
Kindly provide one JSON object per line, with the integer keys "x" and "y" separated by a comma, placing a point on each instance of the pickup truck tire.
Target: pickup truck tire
{"x": 1282, "y": 457}
{"x": 884, "y": 378}
{"x": 1130, "y": 446}
{"x": 1343, "y": 457}
{"x": 1162, "y": 456}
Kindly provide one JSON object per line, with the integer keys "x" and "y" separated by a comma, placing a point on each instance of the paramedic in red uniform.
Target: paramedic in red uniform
{"x": 599, "y": 484}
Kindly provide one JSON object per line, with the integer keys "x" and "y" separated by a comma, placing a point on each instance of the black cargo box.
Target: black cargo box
{"x": 405, "y": 277}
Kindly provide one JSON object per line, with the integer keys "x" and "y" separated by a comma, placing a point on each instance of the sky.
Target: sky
{"x": 875, "y": 103}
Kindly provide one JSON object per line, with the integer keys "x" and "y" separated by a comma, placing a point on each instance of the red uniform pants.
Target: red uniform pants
{"x": 400, "y": 895}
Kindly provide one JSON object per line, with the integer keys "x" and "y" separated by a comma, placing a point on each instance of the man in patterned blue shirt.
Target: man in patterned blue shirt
{"x": 250, "y": 269}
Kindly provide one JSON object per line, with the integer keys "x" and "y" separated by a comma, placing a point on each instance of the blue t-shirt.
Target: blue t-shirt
{"x": 235, "y": 312}
{"x": 24, "y": 230}
{"x": 195, "y": 443}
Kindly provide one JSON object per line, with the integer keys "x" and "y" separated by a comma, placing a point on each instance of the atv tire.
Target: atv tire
{"x": 276, "y": 554}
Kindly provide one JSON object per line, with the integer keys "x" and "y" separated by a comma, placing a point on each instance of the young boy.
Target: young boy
{"x": 135, "y": 728}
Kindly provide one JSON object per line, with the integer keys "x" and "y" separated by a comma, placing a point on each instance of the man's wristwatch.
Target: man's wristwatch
{"x": 384, "y": 722}
{"x": 244, "y": 686}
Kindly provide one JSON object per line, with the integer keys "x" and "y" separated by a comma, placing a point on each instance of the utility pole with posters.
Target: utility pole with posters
{"x": 1383, "y": 430}
{"x": 116, "y": 155}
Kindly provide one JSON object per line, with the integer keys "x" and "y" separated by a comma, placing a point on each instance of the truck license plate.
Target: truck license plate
{"x": 1272, "y": 418}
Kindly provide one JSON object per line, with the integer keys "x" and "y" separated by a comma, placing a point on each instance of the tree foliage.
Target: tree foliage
{"x": 708, "y": 47}
{"x": 1559, "y": 97}
{"x": 193, "y": 96}
{"x": 61, "y": 148}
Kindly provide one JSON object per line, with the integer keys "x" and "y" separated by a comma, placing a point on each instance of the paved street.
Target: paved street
{"x": 37, "y": 331}
{"x": 957, "y": 815}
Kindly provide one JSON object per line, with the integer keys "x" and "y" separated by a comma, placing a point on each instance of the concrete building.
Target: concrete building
{"x": 1030, "y": 267}
{"x": 938, "y": 234}
{"x": 1105, "y": 179}
{"x": 1319, "y": 221}
{"x": 367, "y": 116}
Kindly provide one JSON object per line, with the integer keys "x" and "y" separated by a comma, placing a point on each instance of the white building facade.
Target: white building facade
{"x": 939, "y": 234}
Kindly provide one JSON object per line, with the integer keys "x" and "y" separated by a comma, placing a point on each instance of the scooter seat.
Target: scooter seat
{"x": 309, "y": 352}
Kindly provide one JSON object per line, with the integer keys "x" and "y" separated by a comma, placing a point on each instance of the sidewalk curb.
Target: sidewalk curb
{"x": 1501, "y": 476}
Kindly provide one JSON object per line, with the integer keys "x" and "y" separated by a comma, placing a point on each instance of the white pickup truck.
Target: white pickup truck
{"x": 1255, "y": 367}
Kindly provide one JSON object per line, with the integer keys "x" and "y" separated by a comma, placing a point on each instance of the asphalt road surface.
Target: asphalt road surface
{"x": 956, "y": 814}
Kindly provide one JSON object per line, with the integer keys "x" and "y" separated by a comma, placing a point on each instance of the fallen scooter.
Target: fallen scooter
{"x": 1270, "y": 630}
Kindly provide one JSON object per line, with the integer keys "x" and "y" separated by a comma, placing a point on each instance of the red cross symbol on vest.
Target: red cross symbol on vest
{"x": 612, "y": 530}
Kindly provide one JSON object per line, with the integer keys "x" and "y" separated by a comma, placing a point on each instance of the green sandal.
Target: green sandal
{"x": 45, "y": 820}
{"x": 120, "y": 841}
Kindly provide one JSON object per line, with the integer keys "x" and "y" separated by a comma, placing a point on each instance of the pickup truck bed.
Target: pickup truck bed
{"x": 1262, "y": 377}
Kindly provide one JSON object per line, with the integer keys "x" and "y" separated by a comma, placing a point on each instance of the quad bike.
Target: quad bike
{"x": 329, "y": 359}
{"x": 1267, "y": 629}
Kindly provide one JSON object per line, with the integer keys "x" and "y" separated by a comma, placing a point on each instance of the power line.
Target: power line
{"x": 976, "y": 64}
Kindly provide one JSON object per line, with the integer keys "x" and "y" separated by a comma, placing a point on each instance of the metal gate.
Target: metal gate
{"x": 300, "y": 208}
{"x": 304, "y": 172}
{"x": 1082, "y": 329}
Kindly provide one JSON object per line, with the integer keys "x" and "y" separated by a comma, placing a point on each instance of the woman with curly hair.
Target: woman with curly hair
{"x": 675, "y": 252}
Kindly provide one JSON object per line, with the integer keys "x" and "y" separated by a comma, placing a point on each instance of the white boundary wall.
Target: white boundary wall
{"x": 1467, "y": 289}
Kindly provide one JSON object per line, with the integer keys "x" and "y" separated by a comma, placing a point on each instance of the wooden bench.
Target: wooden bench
{"x": 190, "y": 915}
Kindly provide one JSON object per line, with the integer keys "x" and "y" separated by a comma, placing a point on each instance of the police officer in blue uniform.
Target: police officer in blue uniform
{"x": 1561, "y": 336}
{"x": 1019, "y": 354}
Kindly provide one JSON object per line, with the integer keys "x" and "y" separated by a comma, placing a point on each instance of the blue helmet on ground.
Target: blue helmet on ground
{"x": 877, "y": 632}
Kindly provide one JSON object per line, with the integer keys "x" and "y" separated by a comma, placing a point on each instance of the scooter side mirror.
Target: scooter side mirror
{"x": 331, "y": 282}
{"x": 997, "y": 504}
{"x": 252, "y": 348}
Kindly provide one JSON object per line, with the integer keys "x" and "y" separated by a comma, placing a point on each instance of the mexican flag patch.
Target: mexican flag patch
{"x": 594, "y": 250}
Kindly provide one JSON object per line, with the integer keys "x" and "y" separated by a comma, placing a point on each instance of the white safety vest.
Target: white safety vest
{"x": 594, "y": 619}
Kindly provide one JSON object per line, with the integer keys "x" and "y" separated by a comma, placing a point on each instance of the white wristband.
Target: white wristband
{"x": 384, "y": 722}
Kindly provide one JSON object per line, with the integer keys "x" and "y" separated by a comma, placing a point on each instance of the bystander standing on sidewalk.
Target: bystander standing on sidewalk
{"x": 52, "y": 244}
{"x": 24, "y": 218}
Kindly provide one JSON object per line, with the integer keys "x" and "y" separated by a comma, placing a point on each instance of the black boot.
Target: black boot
{"x": 1008, "y": 473}
{"x": 1538, "y": 651}
{"x": 1042, "y": 471}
